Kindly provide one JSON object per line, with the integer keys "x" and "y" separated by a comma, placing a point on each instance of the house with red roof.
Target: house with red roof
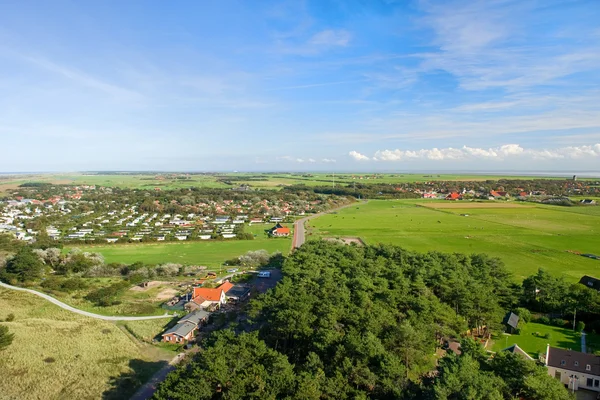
{"x": 454, "y": 196}
{"x": 209, "y": 297}
{"x": 279, "y": 231}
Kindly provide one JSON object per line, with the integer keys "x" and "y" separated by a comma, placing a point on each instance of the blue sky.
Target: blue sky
{"x": 300, "y": 85}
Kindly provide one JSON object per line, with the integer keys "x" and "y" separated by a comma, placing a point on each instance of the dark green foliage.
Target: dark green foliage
{"x": 64, "y": 285}
{"x": 106, "y": 296}
{"x": 24, "y": 266}
{"x": 461, "y": 378}
{"x": 358, "y": 323}
{"x": 580, "y": 326}
{"x": 232, "y": 367}
{"x": 525, "y": 379}
{"x": 6, "y": 338}
{"x": 10, "y": 317}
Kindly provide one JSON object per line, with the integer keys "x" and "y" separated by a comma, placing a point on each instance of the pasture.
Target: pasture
{"x": 209, "y": 253}
{"x": 60, "y": 355}
{"x": 524, "y": 237}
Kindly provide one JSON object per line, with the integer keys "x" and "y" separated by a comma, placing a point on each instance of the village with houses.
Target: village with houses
{"x": 89, "y": 214}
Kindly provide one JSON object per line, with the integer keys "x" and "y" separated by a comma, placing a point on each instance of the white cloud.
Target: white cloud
{"x": 506, "y": 151}
{"x": 331, "y": 38}
{"x": 311, "y": 160}
{"x": 357, "y": 156}
{"x": 328, "y": 160}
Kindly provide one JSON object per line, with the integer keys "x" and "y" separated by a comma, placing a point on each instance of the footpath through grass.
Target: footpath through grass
{"x": 57, "y": 354}
{"x": 525, "y": 238}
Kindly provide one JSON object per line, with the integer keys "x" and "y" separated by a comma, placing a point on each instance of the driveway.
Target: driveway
{"x": 81, "y": 312}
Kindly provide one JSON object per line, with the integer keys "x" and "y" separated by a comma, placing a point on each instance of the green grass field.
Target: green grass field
{"x": 209, "y": 253}
{"x": 525, "y": 237}
{"x": 532, "y": 341}
{"x": 60, "y": 355}
{"x": 271, "y": 180}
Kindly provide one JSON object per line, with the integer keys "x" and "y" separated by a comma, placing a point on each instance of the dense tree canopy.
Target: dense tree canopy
{"x": 23, "y": 266}
{"x": 364, "y": 322}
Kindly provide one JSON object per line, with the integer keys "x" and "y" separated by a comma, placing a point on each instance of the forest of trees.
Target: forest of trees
{"x": 351, "y": 322}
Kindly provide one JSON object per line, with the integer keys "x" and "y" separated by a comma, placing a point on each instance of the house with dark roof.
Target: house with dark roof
{"x": 185, "y": 328}
{"x": 574, "y": 368}
{"x": 591, "y": 282}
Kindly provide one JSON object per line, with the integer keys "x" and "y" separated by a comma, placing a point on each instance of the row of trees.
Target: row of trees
{"x": 350, "y": 322}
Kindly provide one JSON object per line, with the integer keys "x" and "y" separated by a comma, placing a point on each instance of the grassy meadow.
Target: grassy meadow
{"x": 60, "y": 355}
{"x": 525, "y": 236}
{"x": 209, "y": 253}
{"x": 272, "y": 181}
{"x": 531, "y": 339}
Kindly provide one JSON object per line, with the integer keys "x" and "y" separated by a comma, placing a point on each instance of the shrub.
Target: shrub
{"x": 524, "y": 314}
{"x": 579, "y": 327}
{"x": 11, "y": 317}
{"x": 543, "y": 320}
{"x": 547, "y": 335}
{"x": 558, "y": 322}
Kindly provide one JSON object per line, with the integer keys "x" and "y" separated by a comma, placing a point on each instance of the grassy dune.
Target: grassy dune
{"x": 60, "y": 355}
{"x": 524, "y": 238}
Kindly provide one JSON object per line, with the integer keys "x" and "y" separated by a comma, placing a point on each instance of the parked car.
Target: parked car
{"x": 264, "y": 274}
{"x": 233, "y": 270}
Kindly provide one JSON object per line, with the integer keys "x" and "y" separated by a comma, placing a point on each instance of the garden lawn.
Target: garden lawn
{"x": 525, "y": 238}
{"x": 209, "y": 253}
{"x": 60, "y": 355}
{"x": 535, "y": 344}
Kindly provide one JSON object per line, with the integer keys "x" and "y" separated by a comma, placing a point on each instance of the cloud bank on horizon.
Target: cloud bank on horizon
{"x": 300, "y": 85}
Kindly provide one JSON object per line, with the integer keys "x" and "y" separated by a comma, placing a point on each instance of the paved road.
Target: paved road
{"x": 147, "y": 390}
{"x": 583, "y": 345}
{"x": 81, "y": 312}
{"x": 299, "y": 231}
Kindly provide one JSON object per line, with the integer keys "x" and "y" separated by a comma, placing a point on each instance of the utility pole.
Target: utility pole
{"x": 574, "y": 315}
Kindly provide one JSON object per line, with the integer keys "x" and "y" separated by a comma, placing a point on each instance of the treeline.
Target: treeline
{"x": 349, "y": 322}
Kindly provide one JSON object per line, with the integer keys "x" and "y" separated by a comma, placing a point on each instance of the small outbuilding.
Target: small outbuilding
{"x": 511, "y": 320}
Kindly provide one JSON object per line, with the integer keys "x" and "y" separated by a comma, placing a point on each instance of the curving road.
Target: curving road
{"x": 299, "y": 231}
{"x": 81, "y": 312}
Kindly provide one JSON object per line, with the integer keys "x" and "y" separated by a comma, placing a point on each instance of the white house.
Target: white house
{"x": 574, "y": 368}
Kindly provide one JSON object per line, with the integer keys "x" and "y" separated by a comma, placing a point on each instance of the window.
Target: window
{"x": 563, "y": 362}
{"x": 588, "y": 367}
{"x": 590, "y": 382}
{"x": 577, "y": 363}
{"x": 596, "y": 383}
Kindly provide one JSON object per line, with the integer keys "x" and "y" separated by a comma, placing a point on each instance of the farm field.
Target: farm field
{"x": 531, "y": 339}
{"x": 272, "y": 181}
{"x": 209, "y": 253}
{"x": 525, "y": 238}
{"x": 60, "y": 355}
